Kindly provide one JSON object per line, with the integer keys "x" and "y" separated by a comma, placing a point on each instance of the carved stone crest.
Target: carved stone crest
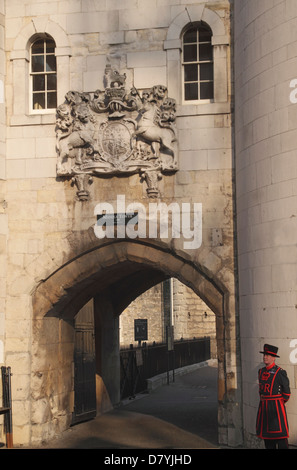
{"x": 116, "y": 132}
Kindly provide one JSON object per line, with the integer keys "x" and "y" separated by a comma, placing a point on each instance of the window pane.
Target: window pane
{"x": 50, "y": 63}
{"x": 191, "y": 91}
{"x": 38, "y": 83}
{"x": 206, "y": 91}
{"x": 52, "y": 100}
{"x": 206, "y": 71}
{"x": 37, "y": 63}
{"x": 39, "y": 101}
{"x": 190, "y": 36}
{"x": 191, "y": 73}
{"x": 190, "y": 53}
{"x": 205, "y": 52}
{"x": 38, "y": 47}
{"x": 52, "y": 82}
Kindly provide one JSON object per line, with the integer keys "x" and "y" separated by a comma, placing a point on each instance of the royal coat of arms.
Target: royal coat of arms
{"x": 116, "y": 132}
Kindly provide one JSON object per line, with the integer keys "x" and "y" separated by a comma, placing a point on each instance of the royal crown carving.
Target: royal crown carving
{"x": 116, "y": 132}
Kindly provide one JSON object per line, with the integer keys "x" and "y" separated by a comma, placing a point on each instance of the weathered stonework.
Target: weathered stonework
{"x": 54, "y": 264}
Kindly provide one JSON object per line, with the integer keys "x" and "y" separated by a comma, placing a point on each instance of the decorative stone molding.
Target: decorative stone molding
{"x": 116, "y": 132}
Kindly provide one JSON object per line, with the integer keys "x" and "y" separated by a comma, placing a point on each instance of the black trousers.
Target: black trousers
{"x": 276, "y": 443}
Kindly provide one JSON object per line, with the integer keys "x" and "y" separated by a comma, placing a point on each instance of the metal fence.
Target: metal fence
{"x": 142, "y": 363}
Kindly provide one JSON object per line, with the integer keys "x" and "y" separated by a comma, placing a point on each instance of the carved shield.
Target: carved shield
{"x": 114, "y": 141}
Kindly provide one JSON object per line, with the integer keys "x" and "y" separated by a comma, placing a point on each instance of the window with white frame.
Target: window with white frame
{"x": 197, "y": 63}
{"x": 43, "y": 74}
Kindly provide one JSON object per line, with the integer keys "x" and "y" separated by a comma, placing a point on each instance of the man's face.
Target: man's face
{"x": 268, "y": 360}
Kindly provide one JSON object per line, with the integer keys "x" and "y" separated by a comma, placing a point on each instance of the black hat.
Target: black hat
{"x": 269, "y": 349}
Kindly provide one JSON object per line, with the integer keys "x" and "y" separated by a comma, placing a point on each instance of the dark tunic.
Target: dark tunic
{"x": 274, "y": 390}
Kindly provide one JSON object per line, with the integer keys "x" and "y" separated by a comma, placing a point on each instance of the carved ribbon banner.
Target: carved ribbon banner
{"x": 116, "y": 132}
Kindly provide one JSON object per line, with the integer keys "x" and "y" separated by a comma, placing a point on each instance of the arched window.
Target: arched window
{"x": 197, "y": 62}
{"x": 43, "y": 74}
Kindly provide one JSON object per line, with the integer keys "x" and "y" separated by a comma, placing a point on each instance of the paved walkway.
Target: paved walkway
{"x": 181, "y": 415}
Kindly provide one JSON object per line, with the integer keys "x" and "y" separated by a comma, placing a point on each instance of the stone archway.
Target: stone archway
{"x": 115, "y": 273}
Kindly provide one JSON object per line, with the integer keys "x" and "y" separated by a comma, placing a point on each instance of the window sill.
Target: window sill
{"x": 33, "y": 119}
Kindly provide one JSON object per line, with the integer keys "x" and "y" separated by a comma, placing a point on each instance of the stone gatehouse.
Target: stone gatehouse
{"x": 132, "y": 109}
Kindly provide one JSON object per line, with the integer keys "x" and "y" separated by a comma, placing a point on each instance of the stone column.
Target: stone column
{"x": 107, "y": 354}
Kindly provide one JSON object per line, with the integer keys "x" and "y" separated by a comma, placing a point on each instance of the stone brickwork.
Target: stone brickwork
{"x": 52, "y": 261}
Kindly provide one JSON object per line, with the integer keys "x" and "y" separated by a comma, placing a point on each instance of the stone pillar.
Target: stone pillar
{"x": 266, "y": 181}
{"x": 107, "y": 354}
{"x": 2, "y": 92}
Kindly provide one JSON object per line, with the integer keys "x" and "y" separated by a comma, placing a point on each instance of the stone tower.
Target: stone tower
{"x": 266, "y": 176}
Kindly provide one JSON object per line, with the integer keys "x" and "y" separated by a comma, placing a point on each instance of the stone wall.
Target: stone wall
{"x": 3, "y": 217}
{"x": 51, "y": 247}
{"x": 191, "y": 317}
{"x": 2, "y": 93}
{"x": 149, "y": 306}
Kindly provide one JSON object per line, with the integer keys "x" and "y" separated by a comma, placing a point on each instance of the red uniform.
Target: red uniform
{"x": 274, "y": 390}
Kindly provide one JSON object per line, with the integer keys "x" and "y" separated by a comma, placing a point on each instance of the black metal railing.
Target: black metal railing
{"x": 142, "y": 363}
